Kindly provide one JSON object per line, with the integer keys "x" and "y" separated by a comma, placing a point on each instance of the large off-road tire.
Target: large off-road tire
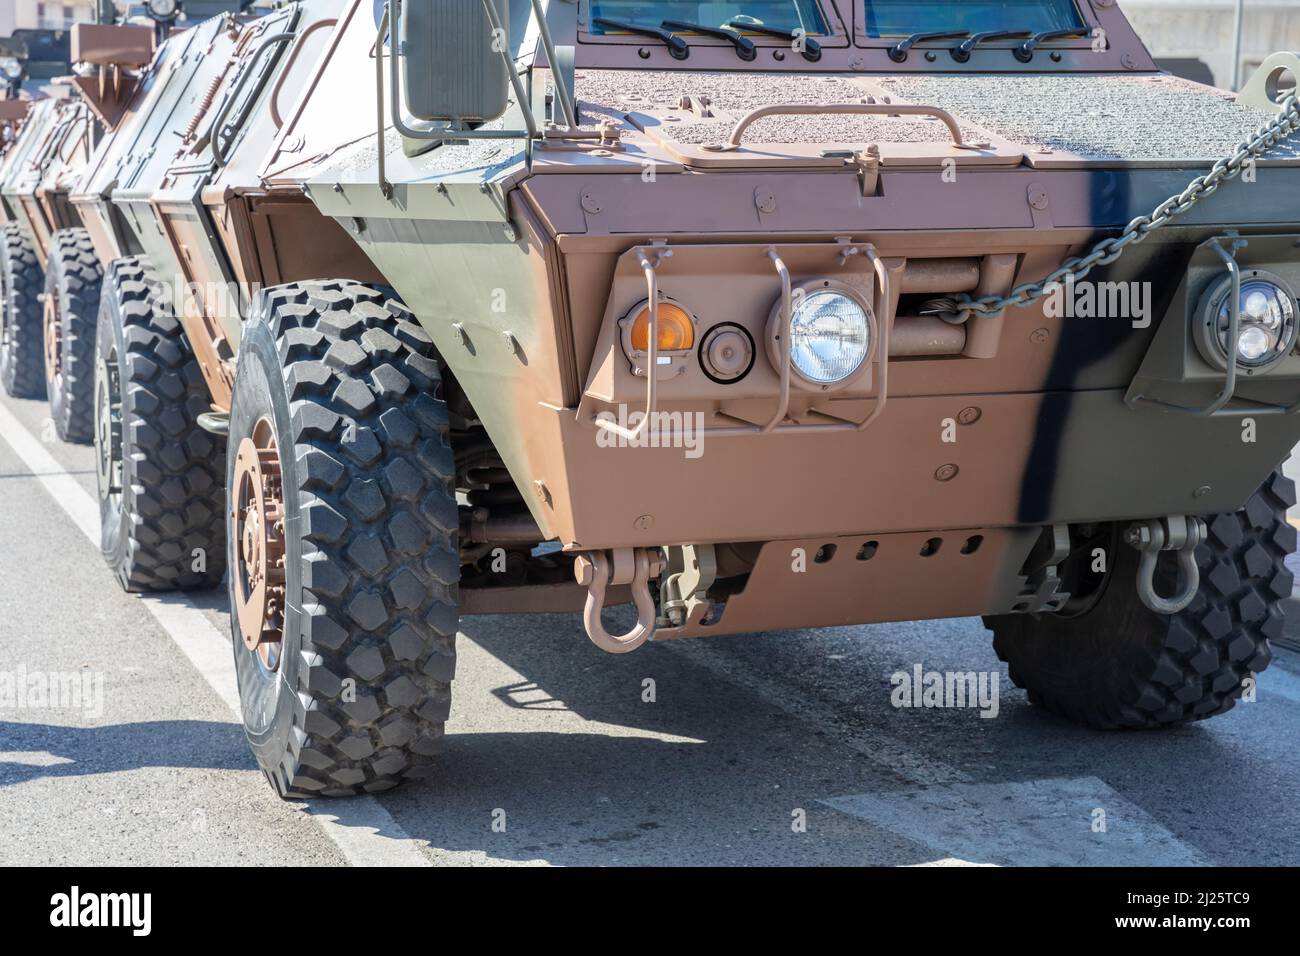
{"x": 71, "y": 311}
{"x": 1120, "y": 665}
{"x": 159, "y": 474}
{"x": 338, "y": 389}
{"x": 22, "y": 358}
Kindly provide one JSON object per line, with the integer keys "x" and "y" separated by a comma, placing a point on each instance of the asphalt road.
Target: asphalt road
{"x": 776, "y": 748}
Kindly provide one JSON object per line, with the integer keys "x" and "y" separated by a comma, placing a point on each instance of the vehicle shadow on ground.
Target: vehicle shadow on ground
{"x": 706, "y": 773}
{"x": 30, "y": 751}
{"x": 713, "y": 770}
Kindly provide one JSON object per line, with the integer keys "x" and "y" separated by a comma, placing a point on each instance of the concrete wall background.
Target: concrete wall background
{"x": 1202, "y": 29}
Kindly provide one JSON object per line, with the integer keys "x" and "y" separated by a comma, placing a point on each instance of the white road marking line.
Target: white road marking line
{"x": 1025, "y": 823}
{"x": 360, "y": 827}
{"x": 949, "y": 861}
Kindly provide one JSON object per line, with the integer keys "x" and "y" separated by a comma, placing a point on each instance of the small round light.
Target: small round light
{"x": 676, "y": 329}
{"x": 1266, "y": 326}
{"x": 10, "y": 67}
{"x": 162, "y": 9}
{"x": 727, "y": 353}
{"x": 830, "y": 336}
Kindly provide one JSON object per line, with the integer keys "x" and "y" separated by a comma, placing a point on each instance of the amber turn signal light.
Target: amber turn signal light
{"x": 676, "y": 330}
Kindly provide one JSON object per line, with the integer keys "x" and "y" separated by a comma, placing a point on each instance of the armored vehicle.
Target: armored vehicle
{"x": 752, "y": 315}
{"x": 49, "y": 272}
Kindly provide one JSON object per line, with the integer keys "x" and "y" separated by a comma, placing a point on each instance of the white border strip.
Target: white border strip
{"x": 360, "y": 827}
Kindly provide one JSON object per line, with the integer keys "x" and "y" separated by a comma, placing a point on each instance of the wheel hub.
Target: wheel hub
{"x": 53, "y": 339}
{"x": 108, "y": 429}
{"x": 257, "y": 525}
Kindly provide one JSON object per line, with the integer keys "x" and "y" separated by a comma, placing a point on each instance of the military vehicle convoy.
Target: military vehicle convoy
{"x": 752, "y": 315}
{"x": 49, "y": 272}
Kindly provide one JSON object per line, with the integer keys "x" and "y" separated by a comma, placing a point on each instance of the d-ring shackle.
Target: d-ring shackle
{"x": 1174, "y": 533}
{"x": 595, "y": 570}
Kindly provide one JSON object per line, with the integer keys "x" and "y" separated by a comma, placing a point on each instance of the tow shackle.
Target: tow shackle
{"x": 1177, "y": 533}
{"x": 595, "y": 570}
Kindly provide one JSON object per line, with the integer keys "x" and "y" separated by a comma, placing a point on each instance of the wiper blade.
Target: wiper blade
{"x": 744, "y": 46}
{"x": 678, "y": 48}
{"x": 811, "y": 49}
{"x": 898, "y": 52}
{"x": 1025, "y": 52}
{"x": 961, "y": 52}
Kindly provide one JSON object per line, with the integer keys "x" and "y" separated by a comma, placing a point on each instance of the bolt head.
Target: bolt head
{"x": 1138, "y": 537}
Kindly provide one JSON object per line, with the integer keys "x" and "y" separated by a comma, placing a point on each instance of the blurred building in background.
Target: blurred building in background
{"x": 43, "y": 14}
{"x": 1194, "y": 38}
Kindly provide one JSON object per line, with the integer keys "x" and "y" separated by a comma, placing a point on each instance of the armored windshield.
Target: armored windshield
{"x": 907, "y": 17}
{"x": 803, "y": 15}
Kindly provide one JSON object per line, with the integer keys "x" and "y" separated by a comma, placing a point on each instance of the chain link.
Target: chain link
{"x": 1108, "y": 250}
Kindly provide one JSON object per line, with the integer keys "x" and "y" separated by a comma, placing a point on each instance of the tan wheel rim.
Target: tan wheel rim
{"x": 53, "y": 339}
{"x": 257, "y": 527}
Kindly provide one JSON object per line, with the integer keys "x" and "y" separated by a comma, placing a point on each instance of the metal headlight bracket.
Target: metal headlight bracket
{"x": 1226, "y": 249}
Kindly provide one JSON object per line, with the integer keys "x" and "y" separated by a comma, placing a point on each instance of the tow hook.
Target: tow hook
{"x": 596, "y": 570}
{"x": 1173, "y": 533}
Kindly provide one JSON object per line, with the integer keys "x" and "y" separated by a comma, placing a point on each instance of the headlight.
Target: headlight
{"x": 162, "y": 9}
{"x": 1266, "y": 329}
{"x": 10, "y": 68}
{"x": 830, "y": 334}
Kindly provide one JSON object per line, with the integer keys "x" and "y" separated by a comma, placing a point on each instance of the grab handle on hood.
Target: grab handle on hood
{"x": 864, "y": 109}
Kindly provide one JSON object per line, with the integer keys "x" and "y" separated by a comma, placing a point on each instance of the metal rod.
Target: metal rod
{"x": 521, "y": 95}
{"x": 883, "y": 329}
{"x": 1237, "y": 16}
{"x": 385, "y": 187}
{"x": 648, "y": 266}
{"x": 561, "y": 88}
{"x": 1234, "y": 321}
{"x": 787, "y": 317}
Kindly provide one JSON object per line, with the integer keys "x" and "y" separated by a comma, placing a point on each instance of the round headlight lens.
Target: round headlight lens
{"x": 830, "y": 336}
{"x": 10, "y": 68}
{"x": 162, "y": 9}
{"x": 1267, "y": 327}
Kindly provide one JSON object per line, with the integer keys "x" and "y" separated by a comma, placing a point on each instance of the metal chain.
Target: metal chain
{"x": 1108, "y": 250}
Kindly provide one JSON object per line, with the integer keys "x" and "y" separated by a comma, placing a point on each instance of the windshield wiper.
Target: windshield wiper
{"x": 1025, "y": 52}
{"x": 678, "y": 48}
{"x": 811, "y": 49}
{"x": 898, "y": 52}
{"x": 744, "y": 46}
{"x": 961, "y": 52}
